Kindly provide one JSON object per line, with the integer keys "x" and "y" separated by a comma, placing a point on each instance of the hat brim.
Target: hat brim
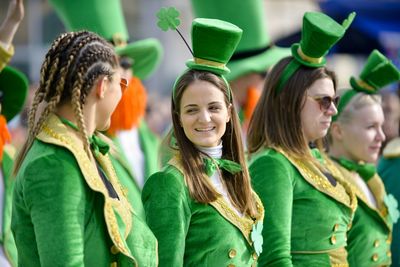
{"x": 146, "y": 55}
{"x": 14, "y": 86}
{"x": 296, "y": 55}
{"x": 259, "y": 63}
{"x": 220, "y": 71}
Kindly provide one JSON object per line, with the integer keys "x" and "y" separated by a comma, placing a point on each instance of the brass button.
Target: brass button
{"x": 333, "y": 239}
{"x": 114, "y": 250}
{"x": 376, "y": 243}
{"x": 114, "y": 264}
{"x": 336, "y": 227}
{"x": 232, "y": 253}
{"x": 255, "y": 256}
{"x": 375, "y": 257}
{"x": 389, "y": 240}
{"x": 231, "y": 265}
{"x": 389, "y": 253}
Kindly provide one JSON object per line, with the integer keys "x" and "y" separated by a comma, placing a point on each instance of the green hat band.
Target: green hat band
{"x": 319, "y": 34}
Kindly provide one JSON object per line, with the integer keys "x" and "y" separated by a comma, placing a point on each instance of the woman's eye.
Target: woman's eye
{"x": 215, "y": 108}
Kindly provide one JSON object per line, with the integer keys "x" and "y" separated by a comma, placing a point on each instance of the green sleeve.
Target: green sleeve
{"x": 168, "y": 215}
{"x": 271, "y": 178}
{"x": 54, "y": 192}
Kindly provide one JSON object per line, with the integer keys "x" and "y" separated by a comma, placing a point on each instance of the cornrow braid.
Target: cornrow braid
{"x": 70, "y": 69}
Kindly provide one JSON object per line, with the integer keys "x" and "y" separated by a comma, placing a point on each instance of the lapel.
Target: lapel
{"x": 245, "y": 223}
{"x": 377, "y": 188}
{"x": 6, "y": 168}
{"x": 312, "y": 174}
{"x": 117, "y": 212}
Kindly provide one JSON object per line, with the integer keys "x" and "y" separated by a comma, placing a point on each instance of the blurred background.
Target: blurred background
{"x": 377, "y": 25}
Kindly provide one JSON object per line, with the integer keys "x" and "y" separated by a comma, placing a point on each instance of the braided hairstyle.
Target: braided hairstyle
{"x": 70, "y": 69}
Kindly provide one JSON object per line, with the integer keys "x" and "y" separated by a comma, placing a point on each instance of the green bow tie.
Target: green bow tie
{"x": 366, "y": 170}
{"x": 211, "y": 165}
{"x": 96, "y": 144}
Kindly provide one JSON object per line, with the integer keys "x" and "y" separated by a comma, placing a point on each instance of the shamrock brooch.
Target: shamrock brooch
{"x": 256, "y": 237}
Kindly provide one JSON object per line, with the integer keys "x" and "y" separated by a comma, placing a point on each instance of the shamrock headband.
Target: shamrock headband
{"x": 376, "y": 74}
{"x": 319, "y": 34}
{"x": 213, "y": 42}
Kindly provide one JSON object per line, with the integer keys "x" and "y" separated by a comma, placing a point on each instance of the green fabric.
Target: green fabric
{"x": 126, "y": 178}
{"x": 57, "y": 219}
{"x": 377, "y": 72}
{"x": 211, "y": 165}
{"x": 299, "y": 218}
{"x": 106, "y": 18}
{"x": 215, "y": 41}
{"x": 389, "y": 170}
{"x": 254, "y": 52}
{"x": 318, "y": 35}
{"x": 150, "y": 144}
{"x": 7, "y": 238}
{"x": 365, "y": 170}
{"x": 190, "y": 233}
{"x": 14, "y": 89}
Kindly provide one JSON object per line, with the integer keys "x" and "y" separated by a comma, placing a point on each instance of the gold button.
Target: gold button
{"x": 255, "y": 256}
{"x": 333, "y": 239}
{"x": 349, "y": 226}
{"x": 231, "y": 265}
{"x": 376, "y": 243}
{"x": 389, "y": 240}
{"x": 232, "y": 253}
{"x": 336, "y": 227}
{"x": 375, "y": 257}
{"x": 114, "y": 264}
{"x": 114, "y": 250}
{"x": 389, "y": 253}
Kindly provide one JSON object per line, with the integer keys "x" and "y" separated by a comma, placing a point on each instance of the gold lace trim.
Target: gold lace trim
{"x": 55, "y": 132}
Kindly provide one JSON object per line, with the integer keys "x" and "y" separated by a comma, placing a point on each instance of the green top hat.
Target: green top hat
{"x": 378, "y": 72}
{"x": 254, "y": 52}
{"x": 319, "y": 34}
{"x": 106, "y": 18}
{"x": 213, "y": 43}
{"x": 14, "y": 89}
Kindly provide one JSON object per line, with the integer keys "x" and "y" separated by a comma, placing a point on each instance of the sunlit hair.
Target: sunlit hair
{"x": 71, "y": 67}
{"x": 200, "y": 189}
{"x": 276, "y": 120}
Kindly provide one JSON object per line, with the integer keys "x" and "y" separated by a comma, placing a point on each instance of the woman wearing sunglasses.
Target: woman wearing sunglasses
{"x": 69, "y": 208}
{"x": 308, "y": 208}
{"x": 355, "y": 141}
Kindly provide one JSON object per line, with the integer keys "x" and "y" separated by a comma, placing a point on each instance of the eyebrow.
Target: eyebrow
{"x": 211, "y": 103}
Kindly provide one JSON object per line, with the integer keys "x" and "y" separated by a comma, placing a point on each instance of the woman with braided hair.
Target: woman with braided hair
{"x": 68, "y": 208}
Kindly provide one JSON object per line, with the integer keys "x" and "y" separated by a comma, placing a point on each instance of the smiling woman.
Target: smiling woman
{"x": 201, "y": 206}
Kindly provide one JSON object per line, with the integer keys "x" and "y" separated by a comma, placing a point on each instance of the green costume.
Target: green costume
{"x": 192, "y": 233}
{"x": 389, "y": 169}
{"x": 370, "y": 236}
{"x": 66, "y": 212}
{"x": 309, "y": 217}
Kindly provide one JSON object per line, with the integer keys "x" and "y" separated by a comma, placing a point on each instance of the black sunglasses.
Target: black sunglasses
{"x": 325, "y": 102}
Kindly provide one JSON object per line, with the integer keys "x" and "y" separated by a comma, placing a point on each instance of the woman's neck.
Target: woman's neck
{"x": 214, "y": 152}
{"x": 67, "y": 112}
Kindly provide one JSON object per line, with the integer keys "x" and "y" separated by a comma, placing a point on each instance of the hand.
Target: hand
{"x": 15, "y": 12}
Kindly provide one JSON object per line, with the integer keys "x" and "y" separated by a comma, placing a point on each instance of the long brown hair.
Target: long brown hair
{"x": 70, "y": 69}
{"x": 276, "y": 120}
{"x": 238, "y": 185}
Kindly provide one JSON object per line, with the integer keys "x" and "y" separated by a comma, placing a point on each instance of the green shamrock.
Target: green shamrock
{"x": 168, "y": 18}
{"x": 392, "y": 206}
{"x": 256, "y": 237}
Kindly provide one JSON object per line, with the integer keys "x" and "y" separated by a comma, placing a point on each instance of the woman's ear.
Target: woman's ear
{"x": 229, "y": 113}
{"x": 101, "y": 85}
{"x": 336, "y": 131}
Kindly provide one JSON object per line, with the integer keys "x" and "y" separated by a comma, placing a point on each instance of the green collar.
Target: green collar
{"x": 365, "y": 170}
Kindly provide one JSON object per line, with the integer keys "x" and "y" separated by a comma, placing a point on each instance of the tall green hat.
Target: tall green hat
{"x": 255, "y": 53}
{"x": 213, "y": 43}
{"x": 106, "y": 18}
{"x": 13, "y": 90}
{"x": 319, "y": 34}
{"x": 378, "y": 72}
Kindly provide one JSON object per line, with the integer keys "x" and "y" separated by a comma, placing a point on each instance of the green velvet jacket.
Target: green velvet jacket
{"x": 389, "y": 170}
{"x": 369, "y": 238}
{"x": 63, "y": 213}
{"x": 194, "y": 234}
{"x": 7, "y": 238}
{"x": 306, "y": 217}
